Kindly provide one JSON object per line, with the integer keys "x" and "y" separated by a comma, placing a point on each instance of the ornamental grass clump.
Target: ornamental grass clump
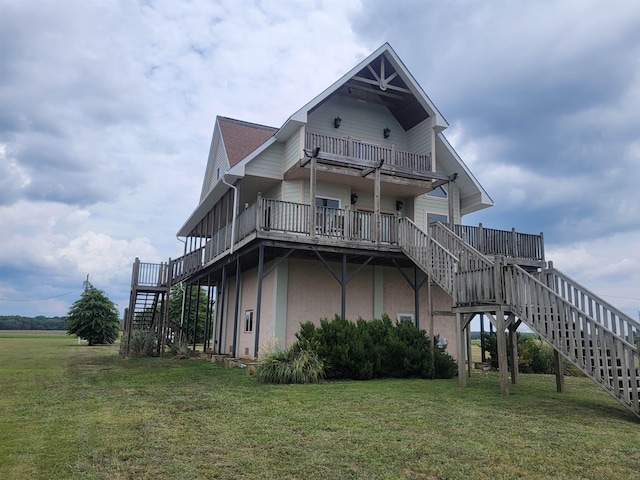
{"x": 295, "y": 365}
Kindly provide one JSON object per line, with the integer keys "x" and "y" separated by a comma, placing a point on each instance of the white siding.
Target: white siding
{"x": 363, "y": 121}
{"x": 268, "y": 164}
{"x": 293, "y": 191}
{"x": 275, "y": 193}
{"x": 217, "y": 159}
{"x": 419, "y": 138}
{"x": 425, "y": 204}
{"x": 293, "y": 150}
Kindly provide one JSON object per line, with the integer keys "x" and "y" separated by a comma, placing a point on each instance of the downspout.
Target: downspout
{"x": 235, "y": 211}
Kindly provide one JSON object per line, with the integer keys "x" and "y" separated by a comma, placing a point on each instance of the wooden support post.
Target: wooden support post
{"x": 312, "y": 198}
{"x": 236, "y": 310}
{"x": 468, "y": 346}
{"x": 432, "y": 336}
{"x": 416, "y": 296}
{"x": 220, "y": 312}
{"x": 256, "y": 344}
{"x": 513, "y": 347}
{"x": 462, "y": 371}
{"x": 376, "y": 205}
{"x": 558, "y": 363}
{"x": 343, "y": 287}
{"x": 503, "y": 364}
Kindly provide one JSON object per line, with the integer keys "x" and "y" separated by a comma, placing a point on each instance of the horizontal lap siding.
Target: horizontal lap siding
{"x": 268, "y": 164}
{"x": 293, "y": 150}
{"x": 363, "y": 121}
{"x": 419, "y": 138}
{"x": 293, "y": 191}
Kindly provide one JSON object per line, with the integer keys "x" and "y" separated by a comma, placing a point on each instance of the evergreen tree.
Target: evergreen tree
{"x": 93, "y": 317}
{"x": 191, "y": 306}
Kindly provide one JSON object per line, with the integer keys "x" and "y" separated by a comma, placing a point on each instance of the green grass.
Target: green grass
{"x": 73, "y": 411}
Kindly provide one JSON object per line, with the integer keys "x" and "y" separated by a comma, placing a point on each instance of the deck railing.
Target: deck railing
{"x": 347, "y": 225}
{"x": 331, "y": 223}
{"x": 150, "y": 274}
{"x": 510, "y": 244}
{"x": 348, "y": 147}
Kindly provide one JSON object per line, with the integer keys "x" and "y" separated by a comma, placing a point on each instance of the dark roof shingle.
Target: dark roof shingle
{"x": 241, "y": 138}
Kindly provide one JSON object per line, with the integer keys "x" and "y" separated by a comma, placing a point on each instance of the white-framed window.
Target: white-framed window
{"x": 248, "y": 321}
{"x": 406, "y": 317}
{"x": 217, "y": 173}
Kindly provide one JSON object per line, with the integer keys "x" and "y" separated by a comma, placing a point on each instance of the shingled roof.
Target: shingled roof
{"x": 241, "y": 138}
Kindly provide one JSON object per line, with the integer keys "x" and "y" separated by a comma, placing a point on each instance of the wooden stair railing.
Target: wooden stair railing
{"x": 594, "y": 336}
{"x": 600, "y": 353}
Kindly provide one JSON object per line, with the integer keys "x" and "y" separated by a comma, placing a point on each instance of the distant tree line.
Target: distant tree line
{"x": 17, "y": 322}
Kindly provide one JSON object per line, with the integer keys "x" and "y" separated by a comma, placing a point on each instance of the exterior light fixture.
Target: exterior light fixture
{"x": 354, "y": 198}
{"x": 399, "y": 205}
{"x": 315, "y": 152}
{"x": 336, "y": 122}
{"x": 386, "y": 132}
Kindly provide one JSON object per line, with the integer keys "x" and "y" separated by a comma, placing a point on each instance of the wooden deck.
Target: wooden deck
{"x": 346, "y": 228}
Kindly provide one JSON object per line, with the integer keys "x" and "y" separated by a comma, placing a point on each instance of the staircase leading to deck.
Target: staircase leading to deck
{"x": 148, "y": 306}
{"x": 594, "y": 336}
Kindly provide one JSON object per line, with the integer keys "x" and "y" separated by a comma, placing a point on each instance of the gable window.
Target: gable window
{"x": 437, "y": 193}
{"x": 218, "y": 173}
{"x": 248, "y": 321}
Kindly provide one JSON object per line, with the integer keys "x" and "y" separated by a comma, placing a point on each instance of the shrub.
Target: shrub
{"x": 296, "y": 365}
{"x": 374, "y": 349}
{"x": 142, "y": 343}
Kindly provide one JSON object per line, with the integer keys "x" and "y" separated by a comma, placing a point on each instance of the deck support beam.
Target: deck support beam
{"x": 256, "y": 344}
{"x": 220, "y": 312}
{"x": 503, "y": 364}
{"x": 236, "y": 310}
{"x": 513, "y": 346}
{"x": 463, "y": 321}
{"x": 558, "y": 363}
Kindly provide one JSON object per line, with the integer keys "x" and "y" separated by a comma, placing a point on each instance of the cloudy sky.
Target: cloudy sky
{"x": 107, "y": 109}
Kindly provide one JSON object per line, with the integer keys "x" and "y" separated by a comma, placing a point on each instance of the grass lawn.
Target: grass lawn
{"x": 73, "y": 411}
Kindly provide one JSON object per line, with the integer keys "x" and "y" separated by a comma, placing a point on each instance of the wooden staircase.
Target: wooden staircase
{"x": 598, "y": 339}
{"x": 148, "y": 310}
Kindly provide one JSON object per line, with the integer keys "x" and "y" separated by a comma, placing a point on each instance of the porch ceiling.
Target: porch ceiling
{"x": 389, "y": 185}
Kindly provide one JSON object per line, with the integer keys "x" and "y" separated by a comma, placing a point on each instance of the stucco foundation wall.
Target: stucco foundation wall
{"x": 248, "y": 301}
{"x": 313, "y": 293}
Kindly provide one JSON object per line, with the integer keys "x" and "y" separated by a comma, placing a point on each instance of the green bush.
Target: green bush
{"x": 296, "y": 365}
{"x": 363, "y": 350}
{"x": 534, "y": 355}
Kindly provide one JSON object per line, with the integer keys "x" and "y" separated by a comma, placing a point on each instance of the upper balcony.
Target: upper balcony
{"x": 352, "y": 152}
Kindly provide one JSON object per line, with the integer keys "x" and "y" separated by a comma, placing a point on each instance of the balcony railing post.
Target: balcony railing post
{"x": 480, "y": 239}
{"x": 259, "y": 212}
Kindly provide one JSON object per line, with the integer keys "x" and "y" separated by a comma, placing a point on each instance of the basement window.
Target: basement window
{"x": 248, "y": 321}
{"x": 406, "y": 317}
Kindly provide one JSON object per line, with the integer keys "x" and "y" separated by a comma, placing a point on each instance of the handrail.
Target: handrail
{"x": 432, "y": 257}
{"x": 603, "y": 312}
{"x": 596, "y": 350}
{"x": 470, "y": 257}
{"x": 510, "y": 244}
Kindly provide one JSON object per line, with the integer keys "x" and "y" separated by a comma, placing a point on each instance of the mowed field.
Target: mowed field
{"x": 73, "y": 411}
